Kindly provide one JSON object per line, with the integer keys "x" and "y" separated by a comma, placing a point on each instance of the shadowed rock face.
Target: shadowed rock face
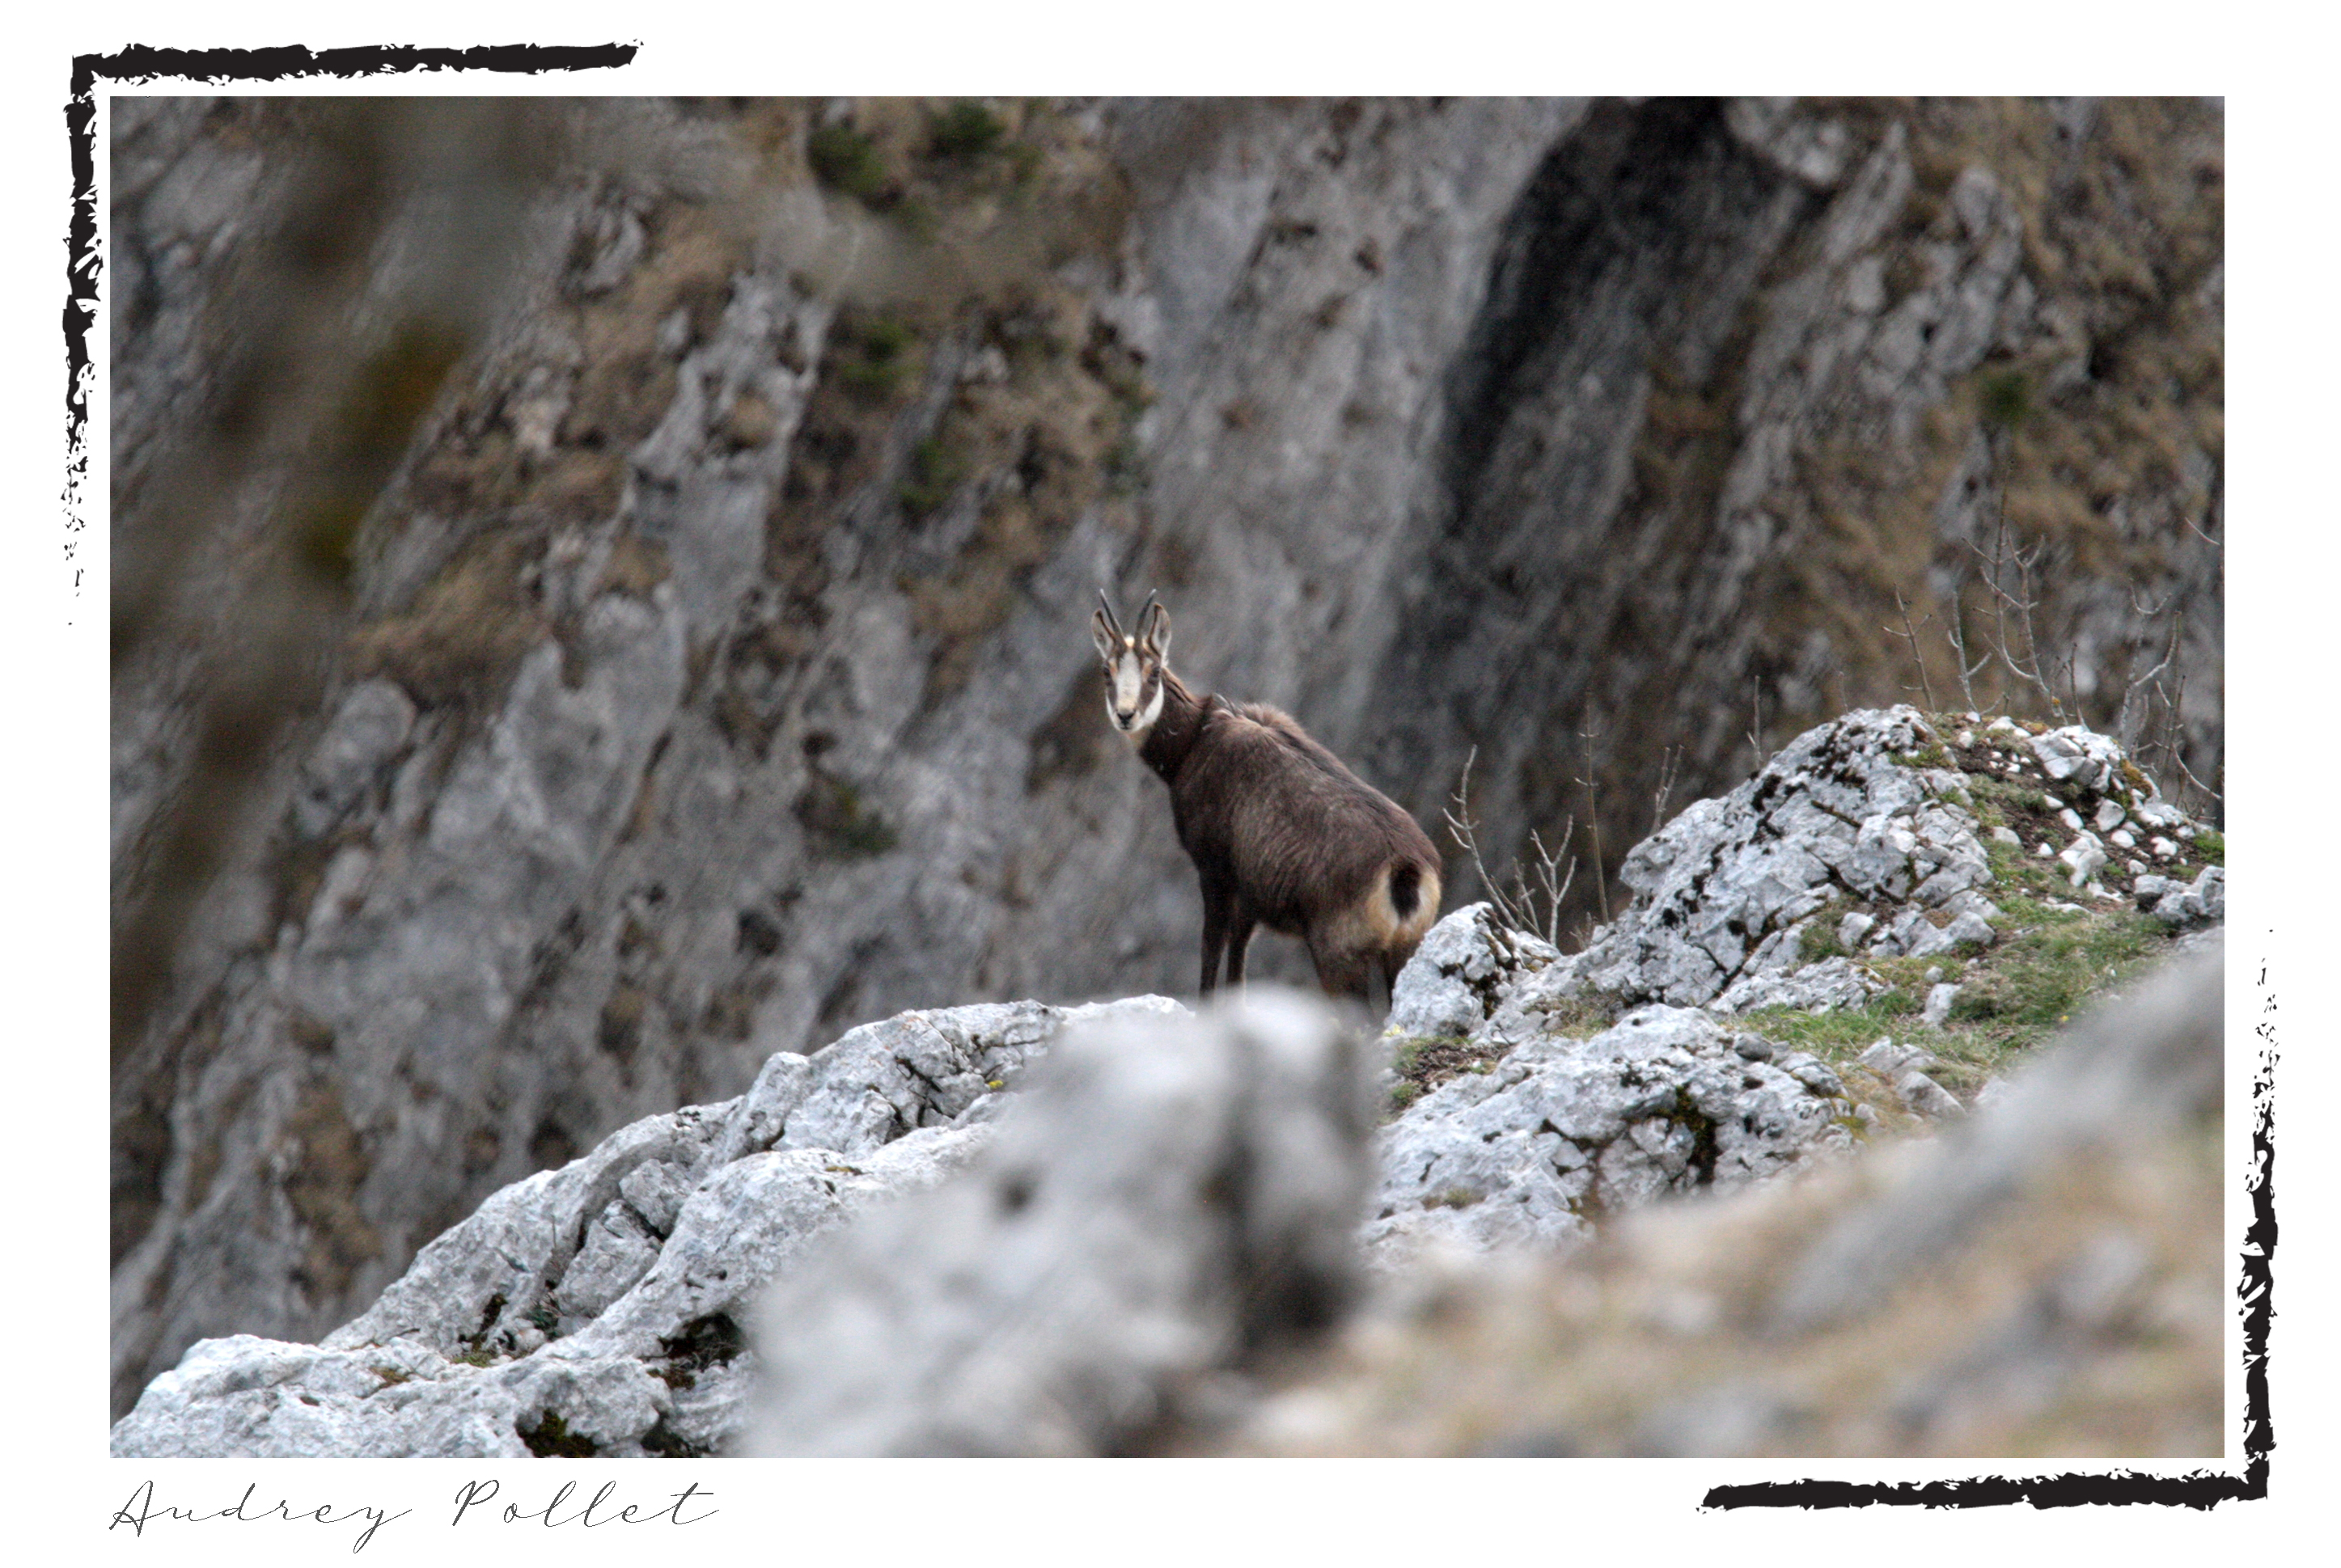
{"x": 714, "y": 677}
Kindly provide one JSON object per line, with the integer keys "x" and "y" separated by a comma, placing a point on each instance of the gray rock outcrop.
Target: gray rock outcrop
{"x": 600, "y": 1307}
{"x": 1561, "y": 1132}
{"x": 1722, "y": 893}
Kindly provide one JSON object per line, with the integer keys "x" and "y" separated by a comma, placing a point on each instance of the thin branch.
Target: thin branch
{"x": 1967, "y": 672}
{"x": 1910, "y": 634}
{"x": 2122, "y": 725}
{"x": 1670, "y": 759}
{"x": 1516, "y": 908}
{"x": 1593, "y": 814}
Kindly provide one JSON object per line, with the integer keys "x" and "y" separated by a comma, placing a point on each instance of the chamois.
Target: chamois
{"x": 1281, "y": 834}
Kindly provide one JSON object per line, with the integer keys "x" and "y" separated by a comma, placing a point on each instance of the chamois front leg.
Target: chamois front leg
{"x": 1240, "y": 928}
{"x": 1216, "y": 907}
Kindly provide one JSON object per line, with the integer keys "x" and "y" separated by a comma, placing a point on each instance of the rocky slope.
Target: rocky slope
{"x": 1886, "y": 909}
{"x": 704, "y": 675}
{"x": 1177, "y": 1199}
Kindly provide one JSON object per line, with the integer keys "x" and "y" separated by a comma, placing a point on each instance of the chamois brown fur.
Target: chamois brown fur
{"x": 1282, "y": 835}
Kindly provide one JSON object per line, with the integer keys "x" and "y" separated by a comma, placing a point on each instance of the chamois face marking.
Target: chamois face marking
{"x": 1133, "y": 670}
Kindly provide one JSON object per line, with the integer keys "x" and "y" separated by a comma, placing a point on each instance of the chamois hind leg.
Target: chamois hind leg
{"x": 1391, "y": 963}
{"x": 1342, "y": 973}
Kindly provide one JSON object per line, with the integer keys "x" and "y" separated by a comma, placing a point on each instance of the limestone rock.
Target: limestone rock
{"x": 1452, "y": 985}
{"x": 2079, "y": 756}
{"x": 1721, "y": 891}
{"x": 1924, "y": 1097}
{"x": 1562, "y": 1130}
{"x": 591, "y": 1296}
{"x": 2049, "y": 1269}
{"x": 2202, "y": 902}
{"x": 1816, "y": 987}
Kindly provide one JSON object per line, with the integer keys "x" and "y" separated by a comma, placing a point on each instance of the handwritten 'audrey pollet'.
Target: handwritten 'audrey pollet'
{"x": 142, "y": 1511}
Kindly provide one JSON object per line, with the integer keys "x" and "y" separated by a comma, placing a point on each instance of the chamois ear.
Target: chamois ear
{"x": 1109, "y": 646}
{"x": 1156, "y": 635}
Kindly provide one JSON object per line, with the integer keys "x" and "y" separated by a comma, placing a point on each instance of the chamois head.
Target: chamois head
{"x": 1134, "y": 665}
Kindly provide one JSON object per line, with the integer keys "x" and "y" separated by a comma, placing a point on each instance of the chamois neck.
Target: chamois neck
{"x": 1175, "y": 727}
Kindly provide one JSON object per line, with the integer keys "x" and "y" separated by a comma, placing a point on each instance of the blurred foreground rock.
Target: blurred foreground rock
{"x": 1175, "y": 1199}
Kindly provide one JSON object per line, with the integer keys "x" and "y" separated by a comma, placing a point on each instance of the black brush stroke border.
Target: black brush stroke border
{"x": 2201, "y": 1489}
{"x": 145, "y": 62}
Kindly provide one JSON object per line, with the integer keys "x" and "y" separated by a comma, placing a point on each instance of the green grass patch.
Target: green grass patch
{"x": 965, "y": 130}
{"x": 2210, "y": 847}
{"x": 2016, "y": 874}
{"x": 935, "y": 469}
{"x": 1819, "y": 939}
{"x": 1425, "y": 1062}
{"x": 1930, "y": 755}
{"x": 877, "y": 357}
{"x": 2051, "y": 964}
{"x": 1998, "y": 794}
{"x": 845, "y": 160}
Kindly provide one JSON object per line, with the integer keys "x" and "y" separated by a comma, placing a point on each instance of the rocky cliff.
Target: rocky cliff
{"x": 698, "y": 670}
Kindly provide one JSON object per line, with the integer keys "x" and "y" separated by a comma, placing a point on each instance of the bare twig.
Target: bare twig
{"x": 1910, "y": 634}
{"x": 1593, "y": 814}
{"x": 1555, "y": 883}
{"x": 1670, "y": 759}
{"x": 1515, "y": 908}
{"x": 2189, "y": 774}
{"x": 1967, "y": 672}
{"x": 2123, "y": 726}
{"x": 2023, "y": 604}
